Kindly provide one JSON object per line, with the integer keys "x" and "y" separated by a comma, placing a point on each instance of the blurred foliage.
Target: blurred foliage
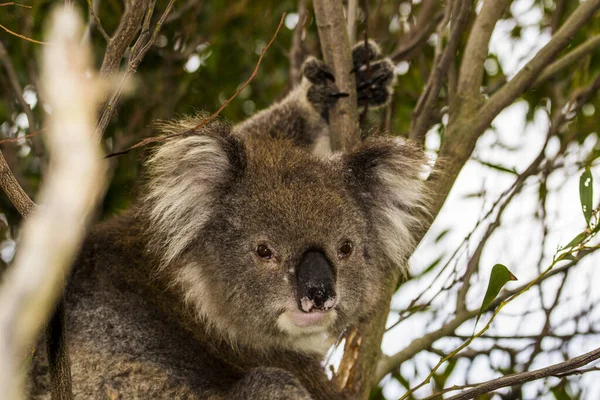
{"x": 208, "y": 48}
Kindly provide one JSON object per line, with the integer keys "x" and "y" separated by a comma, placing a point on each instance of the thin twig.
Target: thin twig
{"x": 205, "y": 121}
{"x": 17, "y": 139}
{"x": 97, "y": 21}
{"x": 12, "y": 3}
{"x": 335, "y": 46}
{"x": 553, "y": 370}
{"x": 22, "y": 36}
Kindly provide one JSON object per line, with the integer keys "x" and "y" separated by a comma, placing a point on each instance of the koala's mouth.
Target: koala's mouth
{"x": 297, "y": 322}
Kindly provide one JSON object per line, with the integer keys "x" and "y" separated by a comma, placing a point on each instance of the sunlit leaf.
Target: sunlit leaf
{"x": 441, "y": 235}
{"x": 576, "y": 240}
{"x": 498, "y": 167}
{"x": 431, "y": 266}
{"x": 499, "y": 276}
{"x": 586, "y": 194}
{"x": 560, "y": 393}
{"x": 567, "y": 256}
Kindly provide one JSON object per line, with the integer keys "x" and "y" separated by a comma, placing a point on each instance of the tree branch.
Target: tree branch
{"x": 422, "y": 115}
{"x": 586, "y": 48}
{"x": 297, "y": 50}
{"x": 138, "y": 52}
{"x": 335, "y": 45}
{"x": 51, "y": 236}
{"x": 124, "y": 35}
{"x": 18, "y": 90}
{"x": 529, "y": 73}
{"x": 13, "y": 190}
{"x": 556, "y": 369}
{"x": 426, "y": 21}
{"x": 388, "y": 364}
{"x": 476, "y": 50}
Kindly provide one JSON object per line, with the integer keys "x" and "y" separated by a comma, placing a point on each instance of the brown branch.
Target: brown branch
{"x": 586, "y": 48}
{"x": 14, "y": 81}
{"x": 351, "y": 20}
{"x": 16, "y": 139}
{"x": 530, "y": 72}
{"x": 139, "y": 50}
{"x": 22, "y": 36}
{"x": 97, "y": 22}
{"x": 561, "y": 368}
{"x": 425, "y": 109}
{"x": 12, "y": 3}
{"x": 51, "y": 236}
{"x": 425, "y": 24}
{"x": 297, "y": 51}
{"x": 124, "y": 35}
{"x": 13, "y": 190}
{"x": 388, "y": 364}
{"x": 155, "y": 139}
{"x": 335, "y": 45}
{"x": 476, "y": 51}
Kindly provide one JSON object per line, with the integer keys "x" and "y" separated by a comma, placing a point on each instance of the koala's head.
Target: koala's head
{"x": 273, "y": 246}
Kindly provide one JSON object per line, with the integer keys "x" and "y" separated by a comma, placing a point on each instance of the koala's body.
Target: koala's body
{"x": 244, "y": 259}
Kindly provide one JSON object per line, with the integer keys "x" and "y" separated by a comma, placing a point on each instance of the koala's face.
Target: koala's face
{"x": 277, "y": 246}
{"x": 289, "y": 246}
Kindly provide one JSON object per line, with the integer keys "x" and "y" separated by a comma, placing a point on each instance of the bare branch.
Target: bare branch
{"x": 124, "y": 35}
{"x": 138, "y": 52}
{"x": 335, "y": 45}
{"x": 588, "y": 47}
{"x": 297, "y": 50}
{"x": 425, "y": 108}
{"x": 529, "y": 73}
{"x": 352, "y": 12}
{"x": 97, "y": 22}
{"x": 388, "y": 364}
{"x": 22, "y": 36}
{"x": 427, "y": 19}
{"x": 52, "y": 235}
{"x": 13, "y": 190}
{"x": 476, "y": 50}
{"x": 14, "y": 81}
{"x": 212, "y": 116}
{"x": 556, "y": 369}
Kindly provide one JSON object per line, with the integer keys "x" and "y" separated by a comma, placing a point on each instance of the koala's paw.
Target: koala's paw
{"x": 323, "y": 92}
{"x": 374, "y": 75}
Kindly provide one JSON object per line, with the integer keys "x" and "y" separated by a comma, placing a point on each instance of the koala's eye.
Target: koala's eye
{"x": 345, "y": 250}
{"x": 264, "y": 251}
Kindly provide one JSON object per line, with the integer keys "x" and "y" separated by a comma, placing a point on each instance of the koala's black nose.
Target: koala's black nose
{"x": 316, "y": 283}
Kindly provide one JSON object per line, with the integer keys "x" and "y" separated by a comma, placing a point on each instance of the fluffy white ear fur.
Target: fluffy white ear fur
{"x": 185, "y": 174}
{"x": 390, "y": 174}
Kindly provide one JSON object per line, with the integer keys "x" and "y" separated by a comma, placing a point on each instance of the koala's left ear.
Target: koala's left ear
{"x": 385, "y": 175}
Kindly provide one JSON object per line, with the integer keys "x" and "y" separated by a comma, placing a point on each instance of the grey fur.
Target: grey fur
{"x": 171, "y": 300}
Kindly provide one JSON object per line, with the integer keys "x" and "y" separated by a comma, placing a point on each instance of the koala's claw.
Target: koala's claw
{"x": 339, "y": 95}
{"x": 374, "y": 79}
{"x": 316, "y": 71}
{"x": 362, "y": 53}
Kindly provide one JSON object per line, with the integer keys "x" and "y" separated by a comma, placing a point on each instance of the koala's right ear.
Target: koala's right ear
{"x": 186, "y": 175}
{"x": 385, "y": 176}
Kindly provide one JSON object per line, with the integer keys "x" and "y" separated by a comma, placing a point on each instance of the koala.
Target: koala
{"x": 245, "y": 256}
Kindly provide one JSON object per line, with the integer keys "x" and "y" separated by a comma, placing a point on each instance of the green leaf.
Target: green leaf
{"x": 566, "y": 256}
{"x": 441, "y": 235}
{"x": 576, "y": 240}
{"x": 498, "y": 167}
{"x": 560, "y": 392}
{"x": 499, "y": 276}
{"x": 586, "y": 194}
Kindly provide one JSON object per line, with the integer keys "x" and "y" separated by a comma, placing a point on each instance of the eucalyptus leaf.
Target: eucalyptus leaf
{"x": 499, "y": 276}
{"x": 586, "y": 194}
